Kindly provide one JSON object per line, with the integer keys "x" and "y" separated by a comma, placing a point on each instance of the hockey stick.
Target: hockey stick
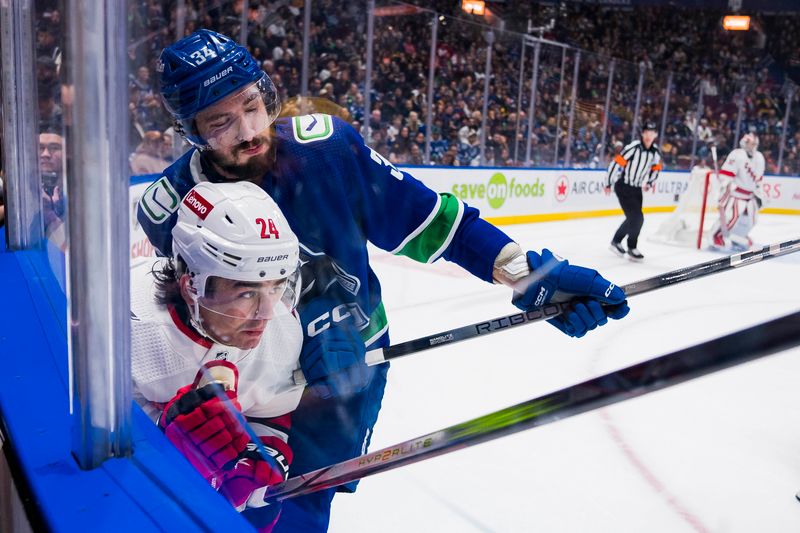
{"x": 380, "y": 355}
{"x": 620, "y": 385}
{"x": 705, "y": 197}
{"x": 723, "y": 224}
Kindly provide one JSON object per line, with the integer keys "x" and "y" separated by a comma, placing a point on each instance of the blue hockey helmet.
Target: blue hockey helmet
{"x": 203, "y": 69}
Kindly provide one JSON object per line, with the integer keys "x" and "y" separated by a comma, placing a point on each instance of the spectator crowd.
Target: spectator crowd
{"x": 742, "y": 76}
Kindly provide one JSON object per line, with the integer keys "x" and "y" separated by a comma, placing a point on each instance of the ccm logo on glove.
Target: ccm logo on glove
{"x": 337, "y": 314}
{"x": 609, "y": 289}
{"x": 542, "y": 297}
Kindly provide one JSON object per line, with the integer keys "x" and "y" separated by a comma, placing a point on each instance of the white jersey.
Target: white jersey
{"x": 743, "y": 173}
{"x": 167, "y": 355}
{"x": 740, "y": 176}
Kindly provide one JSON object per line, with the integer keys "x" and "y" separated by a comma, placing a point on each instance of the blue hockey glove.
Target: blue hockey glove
{"x": 332, "y": 359}
{"x": 552, "y": 279}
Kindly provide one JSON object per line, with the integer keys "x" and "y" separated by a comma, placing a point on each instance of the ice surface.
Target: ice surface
{"x": 721, "y": 453}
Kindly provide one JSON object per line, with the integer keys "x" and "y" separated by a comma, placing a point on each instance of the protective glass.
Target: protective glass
{"x": 237, "y": 118}
{"x": 249, "y": 300}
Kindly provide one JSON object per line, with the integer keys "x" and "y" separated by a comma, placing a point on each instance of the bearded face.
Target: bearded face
{"x": 248, "y": 160}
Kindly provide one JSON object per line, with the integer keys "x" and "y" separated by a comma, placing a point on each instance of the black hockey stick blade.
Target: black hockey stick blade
{"x": 620, "y": 385}
{"x": 680, "y": 275}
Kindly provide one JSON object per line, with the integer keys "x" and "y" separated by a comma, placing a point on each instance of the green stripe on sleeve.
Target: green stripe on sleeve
{"x": 378, "y": 324}
{"x": 431, "y": 240}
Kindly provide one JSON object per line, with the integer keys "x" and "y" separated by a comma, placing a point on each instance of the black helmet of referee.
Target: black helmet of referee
{"x": 648, "y": 140}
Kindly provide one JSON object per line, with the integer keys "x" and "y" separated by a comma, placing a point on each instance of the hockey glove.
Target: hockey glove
{"x": 246, "y": 482}
{"x": 332, "y": 359}
{"x": 199, "y": 422}
{"x": 552, "y": 279}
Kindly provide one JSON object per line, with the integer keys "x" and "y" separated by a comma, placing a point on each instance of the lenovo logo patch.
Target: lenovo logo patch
{"x": 198, "y": 204}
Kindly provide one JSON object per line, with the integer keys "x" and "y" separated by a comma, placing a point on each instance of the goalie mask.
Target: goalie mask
{"x": 208, "y": 74}
{"x": 749, "y": 143}
{"x": 242, "y": 258}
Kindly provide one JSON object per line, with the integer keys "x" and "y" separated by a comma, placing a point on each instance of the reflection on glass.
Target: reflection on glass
{"x": 51, "y": 168}
{"x": 54, "y": 107}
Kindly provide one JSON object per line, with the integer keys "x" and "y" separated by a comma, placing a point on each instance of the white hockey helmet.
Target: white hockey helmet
{"x": 749, "y": 143}
{"x": 235, "y": 232}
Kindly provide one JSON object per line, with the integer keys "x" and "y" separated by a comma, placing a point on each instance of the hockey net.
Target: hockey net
{"x": 690, "y": 223}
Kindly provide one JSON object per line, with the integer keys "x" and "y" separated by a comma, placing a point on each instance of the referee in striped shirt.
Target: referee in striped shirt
{"x": 632, "y": 170}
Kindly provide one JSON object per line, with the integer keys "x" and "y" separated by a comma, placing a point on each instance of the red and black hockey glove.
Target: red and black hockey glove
{"x": 200, "y": 422}
{"x": 245, "y": 484}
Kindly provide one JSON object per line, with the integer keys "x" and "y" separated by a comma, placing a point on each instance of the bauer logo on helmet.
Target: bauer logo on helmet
{"x": 267, "y": 259}
{"x": 218, "y": 76}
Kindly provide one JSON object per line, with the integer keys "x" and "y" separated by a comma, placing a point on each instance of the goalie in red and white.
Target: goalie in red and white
{"x": 740, "y": 197}
{"x": 215, "y": 342}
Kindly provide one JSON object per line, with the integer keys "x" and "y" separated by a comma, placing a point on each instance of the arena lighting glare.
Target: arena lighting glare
{"x": 736, "y": 22}
{"x": 475, "y": 7}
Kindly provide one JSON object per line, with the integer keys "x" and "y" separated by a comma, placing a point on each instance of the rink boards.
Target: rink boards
{"x": 522, "y": 195}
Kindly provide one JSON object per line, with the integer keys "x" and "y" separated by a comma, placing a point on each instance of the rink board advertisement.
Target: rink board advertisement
{"x": 141, "y": 249}
{"x": 511, "y": 195}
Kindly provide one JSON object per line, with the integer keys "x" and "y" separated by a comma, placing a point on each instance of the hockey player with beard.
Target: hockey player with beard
{"x": 740, "y": 182}
{"x": 215, "y": 323}
{"x": 337, "y": 194}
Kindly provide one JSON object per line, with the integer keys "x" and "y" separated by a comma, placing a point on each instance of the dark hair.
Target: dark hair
{"x": 649, "y": 125}
{"x": 168, "y": 287}
{"x": 50, "y": 128}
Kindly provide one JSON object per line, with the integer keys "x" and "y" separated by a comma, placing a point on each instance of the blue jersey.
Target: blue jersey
{"x": 337, "y": 194}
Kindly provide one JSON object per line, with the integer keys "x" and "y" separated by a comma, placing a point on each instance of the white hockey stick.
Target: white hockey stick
{"x": 552, "y": 310}
{"x": 629, "y": 382}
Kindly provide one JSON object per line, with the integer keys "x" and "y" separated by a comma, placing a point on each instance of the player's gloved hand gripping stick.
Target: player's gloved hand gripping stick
{"x": 204, "y": 421}
{"x": 200, "y": 421}
{"x": 593, "y": 299}
{"x": 265, "y": 462}
{"x": 332, "y": 356}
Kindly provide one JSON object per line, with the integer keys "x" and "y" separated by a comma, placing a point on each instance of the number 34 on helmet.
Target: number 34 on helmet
{"x": 209, "y": 74}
